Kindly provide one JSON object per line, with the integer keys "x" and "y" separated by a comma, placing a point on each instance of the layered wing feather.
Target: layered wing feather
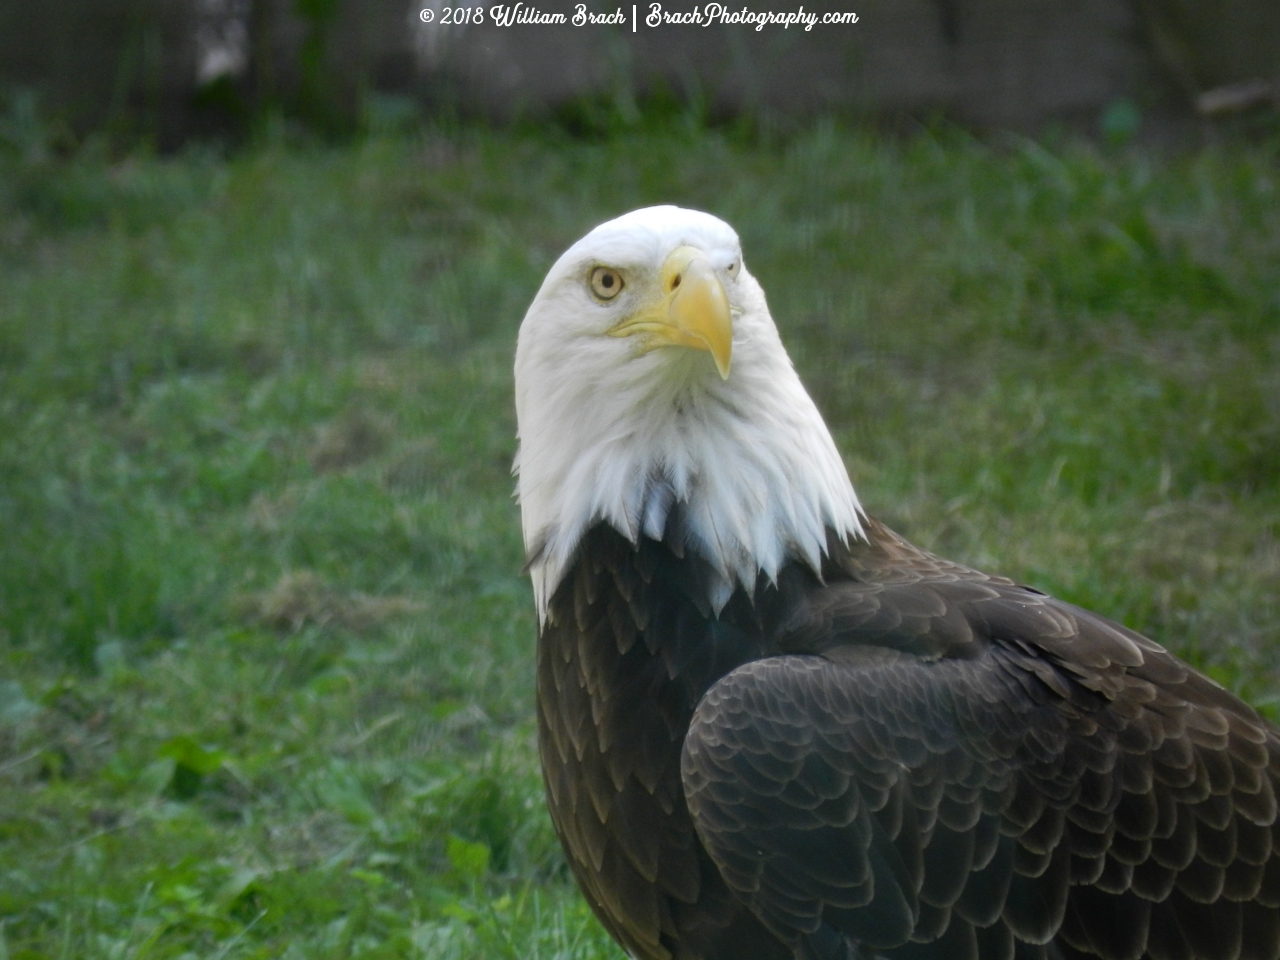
{"x": 954, "y": 766}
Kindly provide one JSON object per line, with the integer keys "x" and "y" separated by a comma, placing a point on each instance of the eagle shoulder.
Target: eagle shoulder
{"x": 945, "y": 763}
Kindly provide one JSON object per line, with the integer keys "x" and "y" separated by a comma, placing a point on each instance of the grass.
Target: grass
{"x": 265, "y": 646}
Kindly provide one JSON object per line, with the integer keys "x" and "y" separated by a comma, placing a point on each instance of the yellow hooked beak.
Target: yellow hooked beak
{"x": 692, "y": 310}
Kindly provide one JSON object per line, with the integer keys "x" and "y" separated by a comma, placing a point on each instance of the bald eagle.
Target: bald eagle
{"x": 771, "y": 728}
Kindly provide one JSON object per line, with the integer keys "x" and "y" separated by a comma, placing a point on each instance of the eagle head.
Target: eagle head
{"x": 653, "y": 394}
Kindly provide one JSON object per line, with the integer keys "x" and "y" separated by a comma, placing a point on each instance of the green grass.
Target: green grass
{"x": 265, "y": 649}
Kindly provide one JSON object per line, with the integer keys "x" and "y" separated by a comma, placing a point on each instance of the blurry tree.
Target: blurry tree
{"x": 323, "y": 98}
{"x": 120, "y": 65}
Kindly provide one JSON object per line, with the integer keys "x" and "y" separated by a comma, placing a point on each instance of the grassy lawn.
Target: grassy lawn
{"x": 265, "y": 648}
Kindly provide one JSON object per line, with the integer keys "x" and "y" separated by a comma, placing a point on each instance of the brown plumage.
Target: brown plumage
{"x": 771, "y": 729}
{"x": 906, "y": 757}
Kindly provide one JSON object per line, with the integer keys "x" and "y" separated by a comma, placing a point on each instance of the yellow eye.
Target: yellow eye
{"x": 606, "y": 283}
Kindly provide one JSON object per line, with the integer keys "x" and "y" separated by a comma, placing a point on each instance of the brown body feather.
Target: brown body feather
{"x": 904, "y": 758}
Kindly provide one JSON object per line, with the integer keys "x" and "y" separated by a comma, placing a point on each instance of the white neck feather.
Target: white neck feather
{"x": 748, "y": 459}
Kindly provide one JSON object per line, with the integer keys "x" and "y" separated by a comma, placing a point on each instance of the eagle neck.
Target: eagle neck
{"x": 742, "y": 473}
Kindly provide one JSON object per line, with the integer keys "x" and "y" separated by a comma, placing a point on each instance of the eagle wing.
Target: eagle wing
{"x": 965, "y": 768}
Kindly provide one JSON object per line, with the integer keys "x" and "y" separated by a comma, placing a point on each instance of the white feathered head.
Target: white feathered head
{"x": 649, "y": 373}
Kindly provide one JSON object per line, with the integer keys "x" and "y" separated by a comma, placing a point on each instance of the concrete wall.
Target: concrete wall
{"x": 992, "y": 63}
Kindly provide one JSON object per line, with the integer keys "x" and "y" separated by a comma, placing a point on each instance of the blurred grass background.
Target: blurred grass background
{"x": 265, "y": 649}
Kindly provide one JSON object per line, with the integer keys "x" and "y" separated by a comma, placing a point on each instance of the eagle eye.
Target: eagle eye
{"x": 732, "y": 269}
{"x": 606, "y": 283}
